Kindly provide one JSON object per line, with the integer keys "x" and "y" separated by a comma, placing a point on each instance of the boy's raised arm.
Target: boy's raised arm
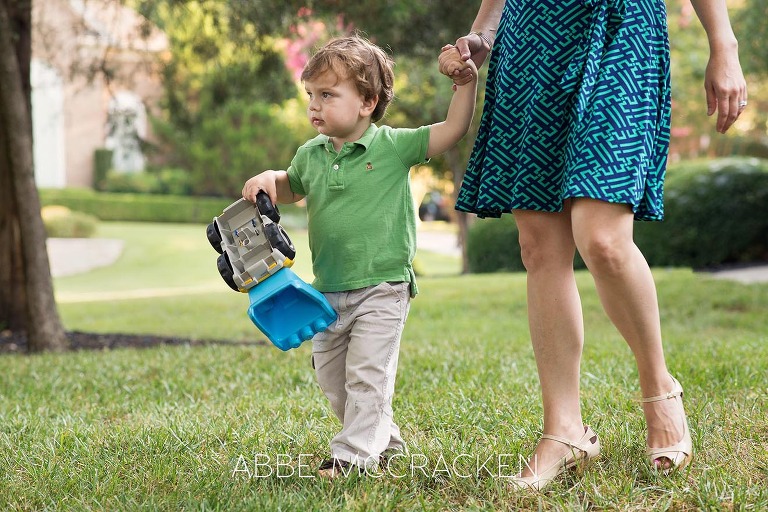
{"x": 446, "y": 134}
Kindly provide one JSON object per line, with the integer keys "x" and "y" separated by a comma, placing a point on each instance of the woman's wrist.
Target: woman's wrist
{"x": 486, "y": 35}
{"x": 723, "y": 44}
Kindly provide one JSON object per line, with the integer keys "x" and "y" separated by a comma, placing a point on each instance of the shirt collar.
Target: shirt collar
{"x": 365, "y": 140}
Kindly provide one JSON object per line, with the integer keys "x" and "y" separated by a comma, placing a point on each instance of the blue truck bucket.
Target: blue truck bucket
{"x": 288, "y": 310}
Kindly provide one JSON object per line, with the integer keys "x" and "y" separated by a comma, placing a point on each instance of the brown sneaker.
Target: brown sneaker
{"x": 334, "y": 468}
{"x": 387, "y": 455}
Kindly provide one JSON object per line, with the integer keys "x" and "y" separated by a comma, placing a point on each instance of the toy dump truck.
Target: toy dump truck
{"x": 255, "y": 256}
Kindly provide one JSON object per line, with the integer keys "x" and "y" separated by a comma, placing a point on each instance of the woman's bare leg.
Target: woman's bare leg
{"x": 603, "y": 235}
{"x": 557, "y": 333}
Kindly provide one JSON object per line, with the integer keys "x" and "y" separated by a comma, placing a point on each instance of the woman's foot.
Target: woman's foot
{"x": 669, "y": 445}
{"x": 553, "y": 456}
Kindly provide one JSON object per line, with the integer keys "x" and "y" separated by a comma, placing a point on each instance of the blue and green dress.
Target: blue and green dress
{"x": 577, "y": 104}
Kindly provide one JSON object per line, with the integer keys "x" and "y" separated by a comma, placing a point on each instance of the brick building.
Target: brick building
{"x": 95, "y": 80}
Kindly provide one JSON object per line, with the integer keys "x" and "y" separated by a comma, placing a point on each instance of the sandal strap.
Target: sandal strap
{"x": 666, "y": 396}
{"x": 567, "y": 442}
{"x": 677, "y": 390}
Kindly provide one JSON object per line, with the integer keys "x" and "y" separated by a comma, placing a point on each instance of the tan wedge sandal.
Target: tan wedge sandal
{"x": 582, "y": 451}
{"x": 680, "y": 454}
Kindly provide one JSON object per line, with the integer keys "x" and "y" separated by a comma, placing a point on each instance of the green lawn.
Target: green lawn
{"x": 233, "y": 427}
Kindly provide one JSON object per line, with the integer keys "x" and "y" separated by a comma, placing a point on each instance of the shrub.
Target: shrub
{"x": 492, "y": 246}
{"x": 102, "y": 163}
{"x": 131, "y": 182}
{"x": 162, "y": 181}
{"x": 61, "y": 222}
{"x": 716, "y": 212}
{"x": 175, "y": 182}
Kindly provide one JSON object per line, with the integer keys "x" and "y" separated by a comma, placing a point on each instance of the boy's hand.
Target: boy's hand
{"x": 455, "y": 67}
{"x": 450, "y": 60}
{"x": 451, "y": 64}
{"x": 274, "y": 183}
{"x": 264, "y": 181}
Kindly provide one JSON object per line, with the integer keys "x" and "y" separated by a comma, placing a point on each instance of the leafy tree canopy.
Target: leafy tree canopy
{"x": 227, "y": 55}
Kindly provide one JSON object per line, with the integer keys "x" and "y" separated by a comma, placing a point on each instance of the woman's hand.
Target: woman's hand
{"x": 725, "y": 88}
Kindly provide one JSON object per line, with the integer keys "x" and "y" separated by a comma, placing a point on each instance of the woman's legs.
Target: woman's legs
{"x": 557, "y": 333}
{"x": 603, "y": 235}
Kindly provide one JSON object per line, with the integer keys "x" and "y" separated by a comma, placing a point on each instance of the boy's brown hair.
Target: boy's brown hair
{"x": 357, "y": 59}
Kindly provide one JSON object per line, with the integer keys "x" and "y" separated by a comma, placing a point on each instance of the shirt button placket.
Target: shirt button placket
{"x": 337, "y": 175}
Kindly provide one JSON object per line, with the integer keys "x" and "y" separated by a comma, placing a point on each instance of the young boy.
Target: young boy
{"x": 362, "y": 234}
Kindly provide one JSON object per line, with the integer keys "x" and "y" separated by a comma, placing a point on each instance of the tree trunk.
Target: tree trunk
{"x": 455, "y": 161}
{"x": 12, "y": 295}
{"x": 21, "y": 225}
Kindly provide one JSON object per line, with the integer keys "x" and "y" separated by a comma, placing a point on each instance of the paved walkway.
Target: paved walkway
{"x": 70, "y": 256}
{"x": 746, "y": 275}
{"x": 442, "y": 242}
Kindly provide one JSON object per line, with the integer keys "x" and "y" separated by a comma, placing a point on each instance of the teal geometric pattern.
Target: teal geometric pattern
{"x": 577, "y": 104}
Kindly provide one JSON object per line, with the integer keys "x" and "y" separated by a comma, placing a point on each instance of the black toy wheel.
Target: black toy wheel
{"x": 225, "y": 270}
{"x": 265, "y": 207}
{"x": 278, "y": 239}
{"x": 214, "y": 236}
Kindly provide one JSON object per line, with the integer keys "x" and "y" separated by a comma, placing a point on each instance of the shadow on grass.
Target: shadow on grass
{"x": 16, "y": 342}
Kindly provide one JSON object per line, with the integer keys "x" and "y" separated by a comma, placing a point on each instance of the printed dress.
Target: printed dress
{"x": 577, "y": 104}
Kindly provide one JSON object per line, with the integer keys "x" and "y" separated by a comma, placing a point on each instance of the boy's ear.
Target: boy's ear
{"x": 369, "y": 106}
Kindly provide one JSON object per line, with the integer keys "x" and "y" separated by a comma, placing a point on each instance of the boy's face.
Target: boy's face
{"x": 337, "y": 109}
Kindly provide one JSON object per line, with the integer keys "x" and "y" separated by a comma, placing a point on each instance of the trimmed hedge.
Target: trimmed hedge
{"x": 136, "y": 207}
{"x": 154, "y": 207}
{"x": 716, "y": 213}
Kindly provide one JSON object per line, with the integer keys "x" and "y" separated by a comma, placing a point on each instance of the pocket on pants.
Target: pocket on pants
{"x": 400, "y": 289}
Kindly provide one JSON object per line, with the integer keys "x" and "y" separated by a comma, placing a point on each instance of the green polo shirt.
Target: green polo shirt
{"x": 362, "y": 223}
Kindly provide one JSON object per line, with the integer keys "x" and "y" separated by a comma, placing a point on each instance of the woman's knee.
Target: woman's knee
{"x": 603, "y": 235}
{"x": 605, "y": 253}
{"x": 546, "y": 239}
{"x": 530, "y": 251}
{"x": 539, "y": 251}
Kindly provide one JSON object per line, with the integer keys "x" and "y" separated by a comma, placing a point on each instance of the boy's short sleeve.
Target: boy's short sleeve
{"x": 294, "y": 179}
{"x": 411, "y": 144}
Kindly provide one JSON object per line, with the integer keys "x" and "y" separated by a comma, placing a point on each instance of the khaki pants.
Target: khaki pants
{"x": 356, "y": 361}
